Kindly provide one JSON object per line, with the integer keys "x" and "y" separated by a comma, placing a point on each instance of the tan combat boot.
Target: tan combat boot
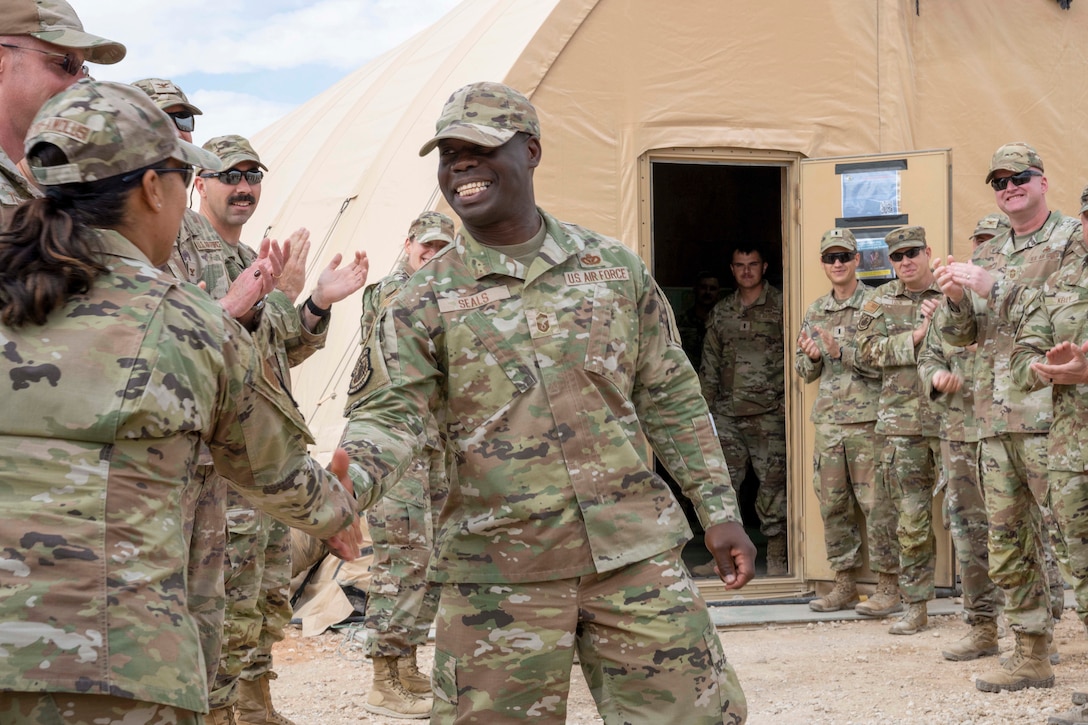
{"x": 254, "y": 706}
{"x": 913, "y": 621}
{"x": 220, "y": 716}
{"x": 1029, "y": 666}
{"x": 413, "y": 680}
{"x": 844, "y": 595}
{"x": 981, "y": 641}
{"x": 390, "y": 698}
{"x": 776, "y": 556}
{"x": 885, "y": 599}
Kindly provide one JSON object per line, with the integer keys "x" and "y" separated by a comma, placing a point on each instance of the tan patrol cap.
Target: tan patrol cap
{"x": 166, "y": 94}
{"x": 486, "y": 114}
{"x": 992, "y": 224}
{"x": 1015, "y": 157}
{"x": 431, "y": 225}
{"x": 838, "y": 238}
{"x": 56, "y": 22}
{"x": 905, "y": 238}
{"x": 232, "y": 150}
{"x": 105, "y": 130}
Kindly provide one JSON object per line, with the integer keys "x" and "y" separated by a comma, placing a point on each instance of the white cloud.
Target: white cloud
{"x": 173, "y": 37}
{"x": 229, "y": 112}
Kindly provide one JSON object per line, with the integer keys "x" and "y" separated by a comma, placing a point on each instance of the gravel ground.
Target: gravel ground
{"x": 841, "y": 673}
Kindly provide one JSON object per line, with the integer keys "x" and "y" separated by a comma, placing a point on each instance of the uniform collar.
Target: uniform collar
{"x": 558, "y": 246}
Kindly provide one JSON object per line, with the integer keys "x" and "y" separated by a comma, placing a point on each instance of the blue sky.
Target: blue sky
{"x": 246, "y": 63}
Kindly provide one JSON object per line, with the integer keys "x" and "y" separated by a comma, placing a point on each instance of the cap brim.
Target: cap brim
{"x": 479, "y": 135}
{"x": 95, "y": 48}
{"x": 196, "y": 156}
{"x": 1013, "y": 167}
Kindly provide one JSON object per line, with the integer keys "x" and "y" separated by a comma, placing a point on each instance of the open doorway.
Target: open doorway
{"x": 700, "y": 211}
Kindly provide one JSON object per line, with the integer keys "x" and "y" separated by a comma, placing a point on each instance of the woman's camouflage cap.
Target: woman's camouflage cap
{"x": 106, "y": 129}
{"x": 486, "y": 114}
{"x": 431, "y": 225}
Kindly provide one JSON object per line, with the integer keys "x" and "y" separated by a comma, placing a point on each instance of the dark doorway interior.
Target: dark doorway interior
{"x": 700, "y": 210}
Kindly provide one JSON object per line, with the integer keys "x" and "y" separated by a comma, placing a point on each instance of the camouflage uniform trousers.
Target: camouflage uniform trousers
{"x": 401, "y": 603}
{"x": 910, "y": 465}
{"x": 844, "y": 472}
{"x": 67, "y": 708}
{"x": 1014, "y": 482}
{"x": 759, "y": 440}
{"x": 257, "y": 593}
{"x": 207, "y": 532}
{"x": 966, "y": 519}
{"x": 1068, "y": 492}
{"x": 647, "y": 648}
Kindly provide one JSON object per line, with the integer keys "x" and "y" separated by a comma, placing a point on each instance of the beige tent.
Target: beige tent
{"x": 679, "y": 127}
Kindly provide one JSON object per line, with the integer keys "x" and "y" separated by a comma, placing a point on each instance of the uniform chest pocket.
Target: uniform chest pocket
{"x": 612, "y": 351}
{"x": 486, "y": 372}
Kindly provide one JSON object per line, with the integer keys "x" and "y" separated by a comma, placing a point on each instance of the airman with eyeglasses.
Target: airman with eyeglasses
{"x": 42, "y": 51}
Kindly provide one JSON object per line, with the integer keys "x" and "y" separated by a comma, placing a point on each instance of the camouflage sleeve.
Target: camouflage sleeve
{"x": 809, "y": 369}
{"x": 674, "y": 415}
{"x": 259, "y": 436}
{"x": 1009, "y": 300}
{"x": 392, "y": 389}
{"x": 1034, "y": 337}
{"x": 872, "y": 334}
{"x": 369, "y": 315}
{"x": 931, "y": 355}
{"x": 960, "y": 326}
{"x": 284, "y": 320}
{"x": 710, "y": 367}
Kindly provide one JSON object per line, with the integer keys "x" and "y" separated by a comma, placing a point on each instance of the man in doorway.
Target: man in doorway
{"x": 743, "y": 381}
{"x": 550, "y": 358}
{"x": 846, "y": 454}
{"x": 42, "y": 50}
{"x": 400, "y": 602}
{"x": 890, "y": 333}
{"x": 1013, "y": 424}
{"x": 258, "y": 547}
{"x": 692, "y": 322}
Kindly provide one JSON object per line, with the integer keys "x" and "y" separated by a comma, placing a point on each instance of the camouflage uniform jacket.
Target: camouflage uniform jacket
{"x": 744, "y": 355}
{"x": 1016, "y": 262}
{"x": 14, "y": 189}
{"x": 884, "y": 340}
{"x": 849, "y": 389}
{"x": 548, "y": 381}
{"x": 411, "y": 489}
{"x": 1058, "y": 313}
{"x": 201, "y": 255}
{"x": 109, "y": 404}
{"x": 957, "y": 415}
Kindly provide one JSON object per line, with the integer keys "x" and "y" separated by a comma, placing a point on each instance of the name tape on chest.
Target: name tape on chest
{"x": 593, "y": 276}
{"x": 471, "y": 302}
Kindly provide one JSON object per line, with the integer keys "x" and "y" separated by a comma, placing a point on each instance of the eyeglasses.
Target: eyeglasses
{"x": 184, "y": 120}
{"x": 186, "y": 170}
{"x": 832, "y": 257}
{"x": 69, "y": 65}
{"x": 909, "y": 254}
{"x": 233, "y": 177}
{"x": 1019, "y": 179}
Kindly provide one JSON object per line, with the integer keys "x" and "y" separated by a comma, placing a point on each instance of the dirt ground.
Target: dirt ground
{"x": 845, "y": 673}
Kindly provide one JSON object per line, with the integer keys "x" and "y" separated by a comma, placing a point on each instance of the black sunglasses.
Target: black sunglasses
{"x": 832, "y": 257}
{"x": 1019, "y": 179}
{"x": 187, "y": 170}
{"x": 184, "y": 120}
{"x": 234, "y": 176}
{"x": 69, "y": 65}
{"x": 909, "y": 254}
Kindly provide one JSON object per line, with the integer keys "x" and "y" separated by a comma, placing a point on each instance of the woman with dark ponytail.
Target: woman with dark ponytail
{"x": 112, "y": 373}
